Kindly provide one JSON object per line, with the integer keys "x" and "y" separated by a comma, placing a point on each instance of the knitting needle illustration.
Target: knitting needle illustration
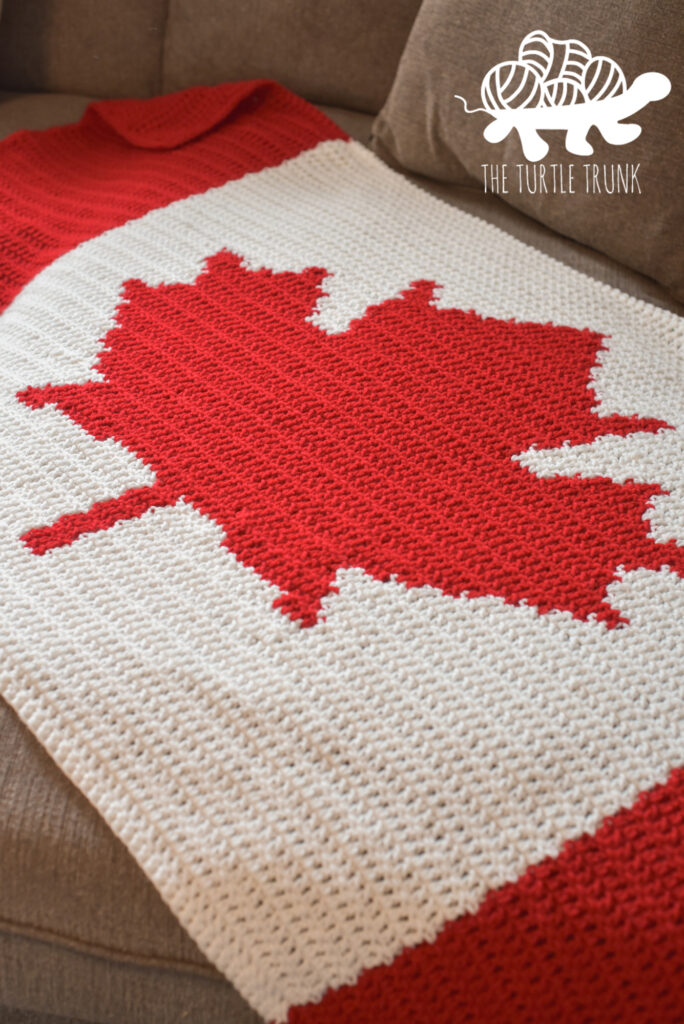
{"x": 584, "y": 92}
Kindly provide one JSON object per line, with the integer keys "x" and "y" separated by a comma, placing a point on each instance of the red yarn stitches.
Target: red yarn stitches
{"x": 388, "y": 447}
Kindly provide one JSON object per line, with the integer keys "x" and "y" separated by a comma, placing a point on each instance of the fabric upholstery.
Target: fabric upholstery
{"x": 424, "y": 128}
{"x": 82, "y": 46}
{"x": 328, "y": 52}
{"x": 332, "y": 53}
{"x": 27, "y": 1017}
{"x": 35, "y": 111}
{"x": 44, "y": 977}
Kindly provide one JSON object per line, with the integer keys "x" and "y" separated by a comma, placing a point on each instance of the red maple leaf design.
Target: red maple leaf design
{"x": 387, "y": 447}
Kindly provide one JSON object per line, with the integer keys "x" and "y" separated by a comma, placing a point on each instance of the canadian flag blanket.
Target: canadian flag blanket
{"x": 342, "y": 558}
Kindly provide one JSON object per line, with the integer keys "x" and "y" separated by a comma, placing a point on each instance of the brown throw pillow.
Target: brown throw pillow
{"x": 544, "y": 73}
{"x": 345, "y": 54}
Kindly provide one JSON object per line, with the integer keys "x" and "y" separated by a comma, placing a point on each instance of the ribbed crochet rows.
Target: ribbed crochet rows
{"x": 387, "y": 447}
{"x": 126, "y": 157}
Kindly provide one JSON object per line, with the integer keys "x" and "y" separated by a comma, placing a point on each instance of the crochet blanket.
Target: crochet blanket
{"x": 342, "y": 558}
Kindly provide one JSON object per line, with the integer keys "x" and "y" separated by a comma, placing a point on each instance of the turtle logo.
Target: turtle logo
{"x": 557, "y": 84}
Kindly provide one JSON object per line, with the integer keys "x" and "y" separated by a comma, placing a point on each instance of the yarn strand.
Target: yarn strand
{"x": 475, "y": 110}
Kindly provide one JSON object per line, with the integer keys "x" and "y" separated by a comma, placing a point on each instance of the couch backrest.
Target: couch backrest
{"x": 90, "y": 47}
{"x": 340, "y": 52}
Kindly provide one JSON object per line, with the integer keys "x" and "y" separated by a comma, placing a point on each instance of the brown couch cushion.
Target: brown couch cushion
{"x": 453, "y": 46}
{"x": 83, "y": 933}
{"x": 34, "y": 111}
{"x": 27, "y": 1017}
{"x": 82, "y": 46}
{"x": 329, "y": 52}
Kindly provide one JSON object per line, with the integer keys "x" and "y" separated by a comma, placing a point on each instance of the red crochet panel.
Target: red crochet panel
{"x": 126, "y": 157}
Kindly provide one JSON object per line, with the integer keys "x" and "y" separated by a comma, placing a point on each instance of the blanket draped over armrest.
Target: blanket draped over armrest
{"x": 341, "y": 567}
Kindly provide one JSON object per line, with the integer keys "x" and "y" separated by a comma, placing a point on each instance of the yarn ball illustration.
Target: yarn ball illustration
{"x": 603, "y": 77}
{"x": 551, "y": 73}
{"x": 512, "y": 85}
{"x": 537, "y": 49}
{"x": 573, "y": 55}
{"x": 556, "y": 84}
{"x": 562, "y": 92}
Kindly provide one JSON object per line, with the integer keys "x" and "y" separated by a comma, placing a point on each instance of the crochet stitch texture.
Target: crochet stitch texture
{"x": 341, "y": 545}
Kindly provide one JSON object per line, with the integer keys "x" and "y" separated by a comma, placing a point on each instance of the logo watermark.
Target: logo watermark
{"x": 562, "y": 179}
{"x": 557, "y": 85}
